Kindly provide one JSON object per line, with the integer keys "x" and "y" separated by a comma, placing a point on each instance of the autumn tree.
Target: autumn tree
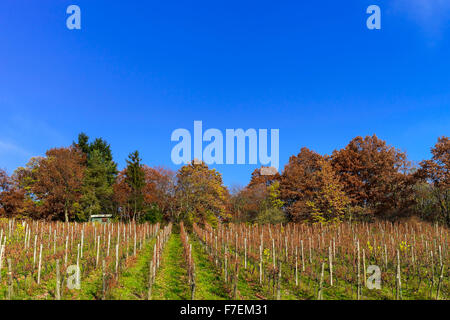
{"x": 271, "y": 209}
{"x": 260, "y": 200}
{"x": 25, "y": 177}
{"x": 247, "y": 203}
{"x": 200, "y": 193}
{"x": 258, "y": 177}
{"x": 58, "y": 180}
{"x": 121, "y": 195}
{"x": 437, "y": 172}
{"x": 12, "y": 201}
{"x": 235, "y": 202}
{"x": 159, "y": 192}
{"x": 375, "y": 176}
{"x": 254, "y": 198}
{"x": 299, "y": 184}
{"x": 329, "y": 201}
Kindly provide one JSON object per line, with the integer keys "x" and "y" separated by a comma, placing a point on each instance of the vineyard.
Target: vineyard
{"x": 129, "y": 261}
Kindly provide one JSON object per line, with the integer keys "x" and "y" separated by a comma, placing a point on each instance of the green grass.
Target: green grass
{"x": 209, "y": 285}
{"x": 133, "y": 282}
{"x": 215, "y": 282}
{"x": 171, "y": 281}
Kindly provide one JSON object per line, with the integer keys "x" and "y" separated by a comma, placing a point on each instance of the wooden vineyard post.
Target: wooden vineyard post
{"x": 399, "y": 281}
{"x": 303, "y": 257}
{"x": 54, "y": 242}
{"x": 117, "y": 260}
{"x": 39, "y": 266}
{"x": 134, "y": 249}
{"x": 109, "y": 244}
{"x": 193, "y": 282}
{"x": 286, "y": 248}
{"x": 296, "y": 266}
{"x": 364, "y": 267}
{"x": 235, "y": 280}
{"x": 2, "y": 249}
{"x": 58, "y": 282}
{"x": 82, "y": 243}
{"x": 310, "y": 251}
{"x": 334, "y": 248}
{"x": 320, "y": 293}
{"x": 358, "y": 289}
{"x": 432, "y": 274}
{"x": 245, "y": 253}
{"x": 10, "y": 280}
{"x": 441, "y": 276}
{"x": 78, "y": 256}
{"x": 98, "y": 251}
{"x": 260, "y": 263}
{"x": 279, "y": 281}
{"x": 236, "y": 251}
{"x": 273, "y": 253}
{"x": 216, "y": 257}
{"x": 103, "y": 280}
{"x": 226, "y": 265}
{"x": 65, "y": 256}
{"x": 331, "y": 265}
{"x": 34, "y": 254}
{"x": 150, "y": 281}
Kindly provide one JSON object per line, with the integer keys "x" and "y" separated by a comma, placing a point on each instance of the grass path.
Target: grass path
{"x": 212, "y": 279}
{"x": 171, "y": 279}
{"x": 133, "y": 282}
{"x": 209, "y": 285}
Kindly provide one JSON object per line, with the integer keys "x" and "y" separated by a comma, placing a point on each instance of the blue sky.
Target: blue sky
{"x": 137, "y": 70}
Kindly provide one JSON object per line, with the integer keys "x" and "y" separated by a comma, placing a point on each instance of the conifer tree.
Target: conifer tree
{"x": 135, "y": 178}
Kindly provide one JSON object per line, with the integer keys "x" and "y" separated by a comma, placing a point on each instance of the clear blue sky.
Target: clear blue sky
{"x": 137, "y": 70}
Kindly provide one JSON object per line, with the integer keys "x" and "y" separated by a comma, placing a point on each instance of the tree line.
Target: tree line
{"x": 367, "y": 179}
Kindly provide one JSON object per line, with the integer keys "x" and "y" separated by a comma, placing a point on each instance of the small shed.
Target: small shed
{"x": 102, "y": 218}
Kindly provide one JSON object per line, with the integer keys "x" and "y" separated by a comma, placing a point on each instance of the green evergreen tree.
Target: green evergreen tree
{"x": 101, "y": 173}
{"x": 135, "y": 178}
{"x": 97, "y": 192}
{"x": 83, "y": 143}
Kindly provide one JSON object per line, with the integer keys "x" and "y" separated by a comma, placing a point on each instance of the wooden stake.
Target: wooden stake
{"x": 39, "y": 268}
{"x": 58, "y": 282}
{"x": 10, "y": 281}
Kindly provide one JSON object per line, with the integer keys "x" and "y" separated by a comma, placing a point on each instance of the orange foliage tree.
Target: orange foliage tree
{"x": 160, "y": 190}
{"x": 375, "y": 176}
{"x": 437, "y": 172}
{"x": 122, "y": 192}
{"x": 11, "y": 197}
{"x": 58, "y": 179}
{"x": 299, "y": 183}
